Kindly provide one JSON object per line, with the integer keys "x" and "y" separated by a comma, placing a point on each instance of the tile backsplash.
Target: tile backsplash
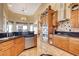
{"x": 64, "y": 26}
{"x": 75, "y": 29}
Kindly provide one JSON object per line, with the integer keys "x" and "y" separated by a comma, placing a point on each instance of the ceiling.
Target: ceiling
{"x": 24, "y": 8}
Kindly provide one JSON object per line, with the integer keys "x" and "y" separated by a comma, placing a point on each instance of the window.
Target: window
{"x": 19, "y": 27}
{"x": 31, "y": 27}
{"x": 24, "y": 28}
{"x": 35, "y": 29}
{"x": 9, "y": 27}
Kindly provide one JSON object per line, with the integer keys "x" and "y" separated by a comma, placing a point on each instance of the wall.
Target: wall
{"x": 1, "y": 17}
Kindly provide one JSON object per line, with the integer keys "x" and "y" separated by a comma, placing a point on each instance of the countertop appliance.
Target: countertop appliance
{"x": 29, "y": 39}
{"x": 29, "y": 42}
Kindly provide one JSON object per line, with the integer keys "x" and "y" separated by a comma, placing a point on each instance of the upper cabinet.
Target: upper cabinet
{"x": 64, "y": 11}
{"x": 61, "y": 12}
{"x": 74, "y": 15}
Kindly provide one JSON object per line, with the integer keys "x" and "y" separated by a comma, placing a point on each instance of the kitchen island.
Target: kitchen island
{"x": 14, "y": 45}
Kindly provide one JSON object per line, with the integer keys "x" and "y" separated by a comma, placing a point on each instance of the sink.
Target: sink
{"x": 12, "y": 37}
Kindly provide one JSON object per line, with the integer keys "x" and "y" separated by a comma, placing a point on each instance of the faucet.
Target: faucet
{"x": 7, "y": 34}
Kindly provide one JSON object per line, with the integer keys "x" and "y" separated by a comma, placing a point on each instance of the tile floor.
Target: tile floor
{"x": 29, "y": 52}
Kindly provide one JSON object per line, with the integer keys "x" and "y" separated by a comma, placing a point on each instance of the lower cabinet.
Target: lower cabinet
{"x": 19, "y": 45}
{"x": 7, "y": 48}
{"x": 61, "y": 42}
{"x": 74, "y": 46}
{"x": 64, "y": 42}
{"x": 12, "y": 47}
{"x": 7, "y": 52}
{"x": 35, "y": 40}
{"x": 57, "y": 42}
{"x": 67, "y": 43}
{"x": 1, "y": 54}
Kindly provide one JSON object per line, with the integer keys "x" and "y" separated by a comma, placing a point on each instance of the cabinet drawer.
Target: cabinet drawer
{"x": 7, "y": 43}
{"x": 1, "y": 53}
{"x": 7, "y": 52}
{"x": 7, "y": 47}
{"x": 0, "y": 47}
{"x": 74, "y": 46}
{"x": 19, "y": 40}
{"x": 61, "y": 42}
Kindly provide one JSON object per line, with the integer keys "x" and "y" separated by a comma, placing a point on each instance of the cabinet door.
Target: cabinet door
{"x": 1, "y": 53}
{"x": 61, "y": 42}
{"x": 74, "y": 46}
{"x": 35, "y": 40}
{"x": 12, "y": 51}
{"x": 64, "y": 43}
{"x": 19, "y": 45}
{"x": 7, "y": 52}
{"x": 7, "y": 48}
{"x": 74, "y": 18}
{"x": 57, "y": 42}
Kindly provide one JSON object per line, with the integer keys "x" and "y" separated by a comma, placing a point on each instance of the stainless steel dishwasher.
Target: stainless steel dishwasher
{"x": 29, "y": 42}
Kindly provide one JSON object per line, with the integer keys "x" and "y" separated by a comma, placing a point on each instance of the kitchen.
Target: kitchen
{"x": 52, "y": 29}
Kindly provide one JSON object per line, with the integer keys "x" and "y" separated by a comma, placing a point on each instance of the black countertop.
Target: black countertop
{"x": 70, "y": 34}
{"x": 4, "y": 39}
{"x": 8, "y": 38}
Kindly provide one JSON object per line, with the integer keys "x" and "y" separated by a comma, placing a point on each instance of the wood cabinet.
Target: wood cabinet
{"x": 74, "y": 19}
{"x": 19, "y": 45}
{"x": 74, "y": 46}
{"x": 35, "y": 40}
{"x": 7, "y": 48}
{"x": 12, "y": 47}
{"x": 68, "y": 44}
{"x": 0, "y": 50}
{"x": 56, "y": 41}
{"x": 7, "y": 52}
{"x": 75, "y": 16}
{"x": 61, "y": 42}
{"x": 1, "y": 54}
{"x": 64, "y": 43}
